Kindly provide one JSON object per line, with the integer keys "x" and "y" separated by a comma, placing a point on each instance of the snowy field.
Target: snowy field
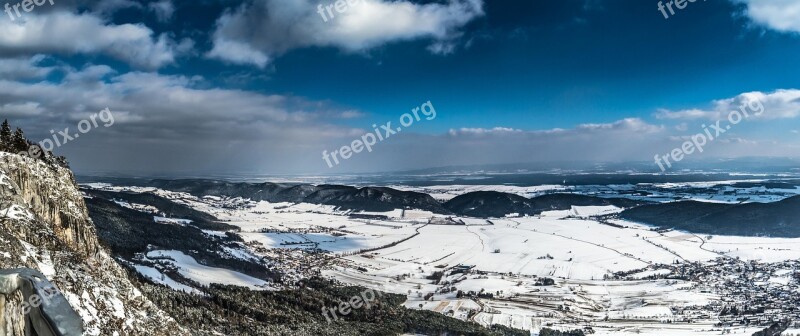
{"x": 512, "y": 254}
{"x": 160, "y": 278}
{"x": 191, "y": 269}
{"x": 566, "y": 245}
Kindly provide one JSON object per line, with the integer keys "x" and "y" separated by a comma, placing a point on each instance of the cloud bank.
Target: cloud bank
{"x": 67, "y": 33}
{"x": 259, "y": 30}
{"x": 779, "y": 104}
{"x": 780, "y": 15}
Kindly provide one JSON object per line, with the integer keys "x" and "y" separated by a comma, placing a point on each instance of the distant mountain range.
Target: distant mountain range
{"x": 199, "y": 219}
{"x": 498, "y": 204}
{"x": 378, "y": 199}
{"x": 778, "y": 219}
{"x": 348, "y": 197}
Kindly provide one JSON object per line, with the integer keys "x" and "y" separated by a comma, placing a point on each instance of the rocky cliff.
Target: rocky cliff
{"x": 44, "y": 225}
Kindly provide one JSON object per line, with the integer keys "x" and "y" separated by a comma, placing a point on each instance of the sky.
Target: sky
{"x": 280, "y": 86}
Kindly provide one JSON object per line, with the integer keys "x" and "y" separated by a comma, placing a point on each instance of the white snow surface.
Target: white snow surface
{"x": 205, "y": 275}
{"x": 160, "y": 278}
{"x": 568, "y": 246}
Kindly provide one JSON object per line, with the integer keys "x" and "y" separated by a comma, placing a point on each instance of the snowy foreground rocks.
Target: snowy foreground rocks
{"x": 44, "y": 226}
{"x": 48, "y": 312}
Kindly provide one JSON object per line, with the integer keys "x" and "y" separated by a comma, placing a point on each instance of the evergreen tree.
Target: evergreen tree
{"x": 62, "y": 161}
{"x": 18, "y": 142}
{"x": 5, "y": 137}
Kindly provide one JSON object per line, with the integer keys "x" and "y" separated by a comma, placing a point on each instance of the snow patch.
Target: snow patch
{"x": 160, "y": 278}
{"x": 205, "y": 275}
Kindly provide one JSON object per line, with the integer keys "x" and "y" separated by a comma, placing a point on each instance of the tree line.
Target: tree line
{"x": 15, "y": 142}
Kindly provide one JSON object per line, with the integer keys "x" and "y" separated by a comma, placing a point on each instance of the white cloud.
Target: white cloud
{"x": 350, "y": 114}
{"x": 482, "y": 131}
{"x": 91, "y": 74}
{"x": 442, "y": 47}
{"x": 779, "y": 104}
{"x": 633, "y": 125}
{"x": 780, "y": 15}
{"x": 628, "y": 125}
{"x": 69, "y": 33}
{"x": 170, "y": 122}
{"x": 163, "y": 9}
{"x": 738, "y": 140}
{"x": 690, "y": 114}
{"x": 23, "y": 67}
{"x": 26, "y": 109}
{"x": 259, "y": 30}
{"x": 176, "y": 124}
{"x": 627, "y": 139}
{"x": 238, "y": 52}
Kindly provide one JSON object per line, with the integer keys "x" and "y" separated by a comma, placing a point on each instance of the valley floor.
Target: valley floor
{"x": 609, "y": 276}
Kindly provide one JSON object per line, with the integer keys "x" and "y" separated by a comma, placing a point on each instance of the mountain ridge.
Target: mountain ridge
{"x": 777, "y": 219}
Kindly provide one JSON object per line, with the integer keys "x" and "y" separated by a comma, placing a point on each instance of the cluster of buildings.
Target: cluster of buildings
{"x": 751, "y": 293}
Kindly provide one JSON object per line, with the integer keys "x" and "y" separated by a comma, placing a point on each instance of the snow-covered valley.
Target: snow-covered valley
{"x": 565, "y": 269}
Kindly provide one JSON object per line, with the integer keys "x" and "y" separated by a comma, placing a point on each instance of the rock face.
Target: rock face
{"x": 45, "y": 226}
{"x": 51, "y": 193}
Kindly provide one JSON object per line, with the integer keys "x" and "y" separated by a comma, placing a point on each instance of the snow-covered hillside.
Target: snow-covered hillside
{"x": 44, "y": 226}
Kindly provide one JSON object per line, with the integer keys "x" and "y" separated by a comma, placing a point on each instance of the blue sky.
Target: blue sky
{"x": 264, "y": 86}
